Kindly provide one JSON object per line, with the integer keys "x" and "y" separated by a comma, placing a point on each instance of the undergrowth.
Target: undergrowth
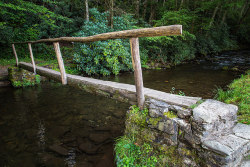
{"x": 132, "y": 150}
{"x": 130, "y": 154}
{"x": 238, "y": 94}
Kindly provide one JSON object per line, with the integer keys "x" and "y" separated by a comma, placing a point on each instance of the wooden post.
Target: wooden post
{"x": 14, "y": 51}
{"x": 134, "y": 44}
{"x": 32, "y": 58}
{"x": 60, "y": 63}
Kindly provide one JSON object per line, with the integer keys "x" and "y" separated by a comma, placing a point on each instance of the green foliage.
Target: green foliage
{"x": 130, "y": 154}
{"x": 196, "y": 104}
{"x": 179, "y": 93}
{"x": 23, "y": 21}
{"x": 170, "y": 114}
{"x": 238, "y": 94}
{"x": 22, "y": 78}
{"x": 17, "y": 84}
{"x": 38, "y": 79}
{"x": 218, "y": 40}
{"x": 183, "y": 17}
{"x": 138, "y": 116}
{"x": 204, "y": 32}
{"x": 103, "y": 57}
{"x": 172, "y": 50}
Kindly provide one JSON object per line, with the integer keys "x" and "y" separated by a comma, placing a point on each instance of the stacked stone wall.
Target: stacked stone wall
{"x": 207, "y": 135}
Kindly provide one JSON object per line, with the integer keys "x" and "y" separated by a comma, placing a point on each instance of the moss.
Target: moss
{"x": 100, "y": 92}
{"x": 196, "y": 104}
{"x": 117, "y": 96}
{"x": 225, "y": 68}
{"x": 170, "y": 114}
{"x": 137, "y": 116}
{"x": 185, "y": 152}
{"x": 147, "y": 135}
{"x": 22, "y": 78}
{"x": 87, "y": 88}
{"x": 154, "y": 121}
{"x": 171, "y": 155}
{"x": 180, "y": 132}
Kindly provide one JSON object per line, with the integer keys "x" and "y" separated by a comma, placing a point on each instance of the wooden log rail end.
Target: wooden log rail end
{"x": 135, "y": 33}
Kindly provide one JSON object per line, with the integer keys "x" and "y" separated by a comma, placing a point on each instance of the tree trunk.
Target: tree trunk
{"x": 137, "y": 10}
{"x": 111, "y": 14}
{"x": 182, "y": 1}
{"x": 224, "y": 17}
{"x": 87, "y": 10}
{"x": 145, "y": 4}
{"x": 214, "y": 14}
{"x": 152, "y": 11}
{"x": 243, "y": 17}
{"x": 243, "y": 8}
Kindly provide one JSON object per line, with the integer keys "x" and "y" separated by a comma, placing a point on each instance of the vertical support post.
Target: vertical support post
{"x": 134, "y": 44}
{"x": 32, "y": 58}
{"x": 14, "y": 51}
{"x": 60, "y": 62}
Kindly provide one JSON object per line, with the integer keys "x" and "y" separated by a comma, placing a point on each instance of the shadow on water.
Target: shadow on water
{"x": 54, "y": 125}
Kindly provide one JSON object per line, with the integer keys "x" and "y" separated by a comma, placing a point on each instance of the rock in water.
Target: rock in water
{"x": 99, "y": 137}
{"x": 88, "y": 147}
{"x": 59, "y": 149}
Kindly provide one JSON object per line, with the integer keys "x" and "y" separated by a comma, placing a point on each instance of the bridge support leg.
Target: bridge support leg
{"x": 14, "y": 51}
{"x": 60, "y": 62}
{"x": 134, "y": 45}
{"x": 32, "y": 58}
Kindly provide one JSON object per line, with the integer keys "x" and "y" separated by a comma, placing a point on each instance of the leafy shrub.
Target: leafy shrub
{"x": 216, "y": 40}
{"x": 130, "y": 154}
{"x": 104, "y": 57}
{"x": 183, "y": 17}
{"x": 172, "y": 50}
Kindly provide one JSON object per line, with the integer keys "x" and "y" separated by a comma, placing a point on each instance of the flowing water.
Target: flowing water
{"x": 200, "y": 79}
{"x": 55, "y": 125}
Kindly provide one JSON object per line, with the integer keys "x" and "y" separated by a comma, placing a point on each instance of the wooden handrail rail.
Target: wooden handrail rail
{"x": 135, "y": 33}
{"x": 134, "y": 44}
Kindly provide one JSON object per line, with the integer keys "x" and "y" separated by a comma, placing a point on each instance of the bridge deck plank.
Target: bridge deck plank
{"x": 126, "y": 90}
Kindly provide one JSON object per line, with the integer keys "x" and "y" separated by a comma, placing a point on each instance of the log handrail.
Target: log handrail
{"x": 134, "y": 44}
{"x": 135, "y": 33}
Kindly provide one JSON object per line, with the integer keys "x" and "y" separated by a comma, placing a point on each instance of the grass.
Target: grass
{"x": 130, "y": 154}
{"x": 238, "y": 94}
{"x": 52, "y": 64}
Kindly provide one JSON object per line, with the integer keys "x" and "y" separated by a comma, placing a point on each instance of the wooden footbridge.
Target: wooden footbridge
{"x": 120, "y": 91}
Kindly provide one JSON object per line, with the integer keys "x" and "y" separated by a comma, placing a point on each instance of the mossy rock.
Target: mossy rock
{"x": 170, "y": 114}
{"x": 154, "y": 121}
{"x": 22, "y": 78}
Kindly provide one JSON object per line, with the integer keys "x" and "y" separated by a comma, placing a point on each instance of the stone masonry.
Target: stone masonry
{"x": 210, "y": 130}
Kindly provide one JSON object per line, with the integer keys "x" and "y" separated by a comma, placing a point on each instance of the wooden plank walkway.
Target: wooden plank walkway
{"x": 119, "y": 91}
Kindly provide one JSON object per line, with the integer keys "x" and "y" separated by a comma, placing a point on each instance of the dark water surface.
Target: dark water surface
{"x": 200, "y": 79}
{"x": 54, "y": 125}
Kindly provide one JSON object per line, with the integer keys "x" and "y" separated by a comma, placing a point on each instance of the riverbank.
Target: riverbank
{"x": 238, "y": 94}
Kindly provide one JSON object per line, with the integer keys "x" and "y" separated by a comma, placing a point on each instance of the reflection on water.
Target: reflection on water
{"x": 71, "y": 158}
{"x": 41, "y": 135}
{"x": 53, "y": 125}
{"x": 193, "y": 79}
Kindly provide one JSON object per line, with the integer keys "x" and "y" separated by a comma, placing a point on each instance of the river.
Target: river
{"x": 55, "y": 125}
